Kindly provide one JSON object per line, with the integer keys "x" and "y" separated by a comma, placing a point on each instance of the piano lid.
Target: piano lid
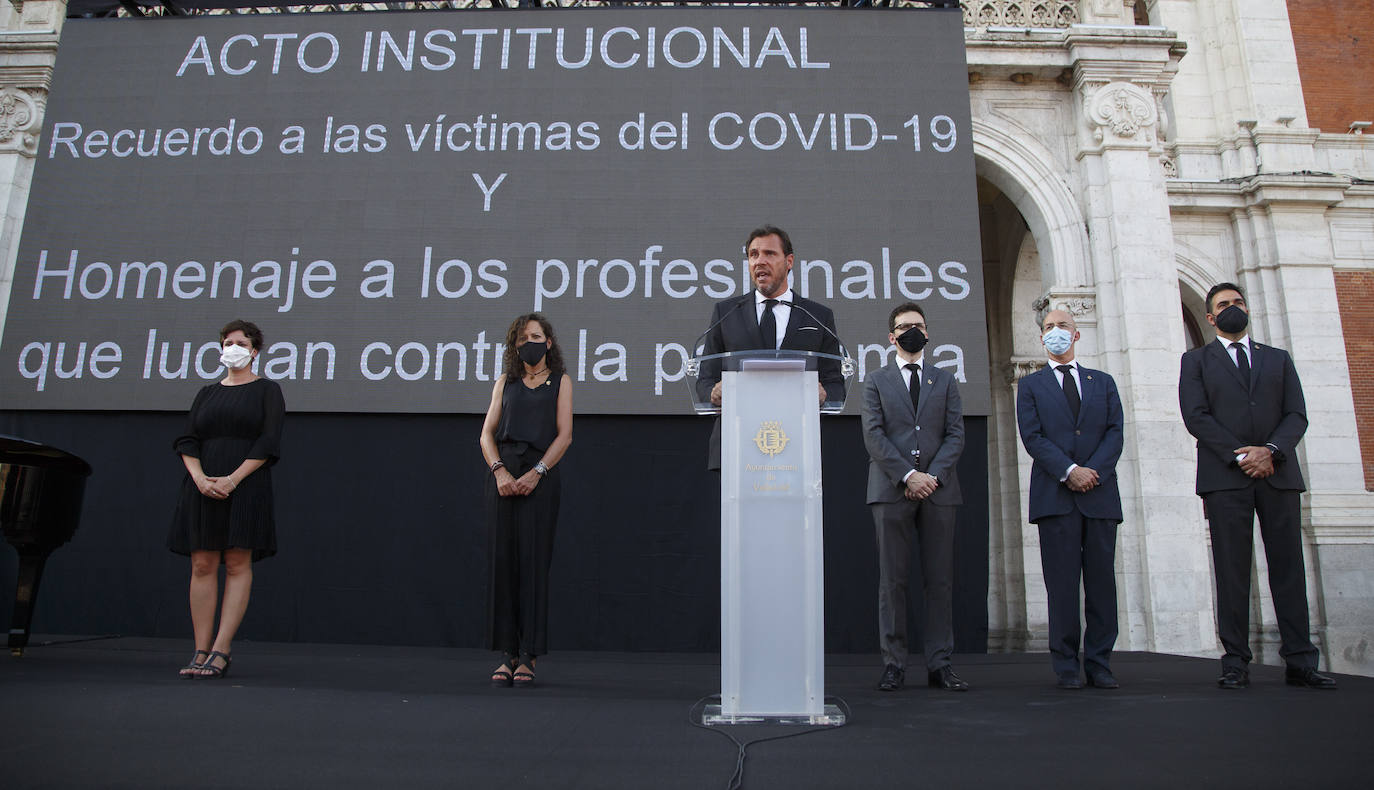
{"x": 24, "y": 452}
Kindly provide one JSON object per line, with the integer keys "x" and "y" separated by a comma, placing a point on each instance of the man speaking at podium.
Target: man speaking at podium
{"x": 772, "y": 316}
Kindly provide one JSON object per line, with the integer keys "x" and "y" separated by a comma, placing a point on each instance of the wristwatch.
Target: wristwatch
{"x": 540, "y": 469}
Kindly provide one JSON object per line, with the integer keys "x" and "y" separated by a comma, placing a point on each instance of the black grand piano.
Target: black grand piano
{"x": 40, "y": 504}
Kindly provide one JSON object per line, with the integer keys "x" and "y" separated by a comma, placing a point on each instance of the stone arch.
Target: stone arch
{"x": 1197, "y": 272}
{"x": 1023, "y": 170}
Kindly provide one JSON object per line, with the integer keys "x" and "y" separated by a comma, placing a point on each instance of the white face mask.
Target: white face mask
{"x": 1058, "y": 340}
{"x": 236, "y": 357}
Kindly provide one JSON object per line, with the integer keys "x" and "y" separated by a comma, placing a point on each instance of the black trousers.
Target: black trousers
{"x": 519, "y": 551}
{"x": 1074, "y": 550}
{"x": 1231, "y": 517}
{"x": 933, "y": 526}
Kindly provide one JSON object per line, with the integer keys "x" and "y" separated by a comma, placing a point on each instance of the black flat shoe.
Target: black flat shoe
{"x": 1069, "y": 681}
{"x": 944, "y": 678}
{"x": 189, "y": 671}
{"x": 1233, "y": 678}
{"x": 209, "y": 671}
{"x": 1103, "y": 679}
{"x": 1308, "y": 678}
{"x": 892, "y": 678}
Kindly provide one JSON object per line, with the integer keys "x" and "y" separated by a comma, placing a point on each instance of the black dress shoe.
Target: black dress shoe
{"x": 944, "y": 678}
{"x": 1233, "y": 678}
{"x": 1103, "y": 679}
{"x": 1309, "y": 677}
{"x": 892, "y": 679}
{"x": 1069, "y": 680}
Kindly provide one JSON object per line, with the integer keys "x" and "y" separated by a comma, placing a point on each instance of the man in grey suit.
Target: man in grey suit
{"x": 913, "y": 425}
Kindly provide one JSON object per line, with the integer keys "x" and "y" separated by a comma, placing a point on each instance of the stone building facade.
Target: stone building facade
{"x": 1130, "y": 153}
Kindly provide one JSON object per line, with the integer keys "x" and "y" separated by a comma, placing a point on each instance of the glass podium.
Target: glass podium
{"x": 771, "y": 553}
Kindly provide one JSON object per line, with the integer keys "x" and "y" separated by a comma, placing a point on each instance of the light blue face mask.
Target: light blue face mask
{"x": 1058, "y": 340}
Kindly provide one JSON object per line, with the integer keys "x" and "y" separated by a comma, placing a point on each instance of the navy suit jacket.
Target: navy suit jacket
{"x": 1055, "y": 440}
{"x": 894, "y": 433}
{"x": 1223, "y": 414}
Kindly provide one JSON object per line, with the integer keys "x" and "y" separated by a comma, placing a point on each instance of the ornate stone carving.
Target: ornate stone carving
{"x": 1020, "y": 367}
{"x": 1079, "y": 307}
{"x": 1170, "y": 166}
{"x": 1082, "y": 305}
{"x": 18, "y": 120}
{"x": 1020, "y": 13}
{"x": 1126, "y": 110}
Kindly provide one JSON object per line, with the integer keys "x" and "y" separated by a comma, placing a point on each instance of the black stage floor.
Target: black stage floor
{"x": 111, "y": 713}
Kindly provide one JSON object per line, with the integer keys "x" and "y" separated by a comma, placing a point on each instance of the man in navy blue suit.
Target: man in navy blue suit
{"x": 1243, "y": 402}
{"x": 1071, "y": 424}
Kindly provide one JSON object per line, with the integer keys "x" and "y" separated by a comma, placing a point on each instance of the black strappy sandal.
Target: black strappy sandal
{"x": 524, "y": 677}
{"x": 502, "y": 678}
{"x": 208, "y": 670}
{"x": 189, "y": 671}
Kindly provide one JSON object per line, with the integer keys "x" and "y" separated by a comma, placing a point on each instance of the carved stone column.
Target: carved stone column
{"x": 28, "y": 46}
{"x": 1164, "y": 568}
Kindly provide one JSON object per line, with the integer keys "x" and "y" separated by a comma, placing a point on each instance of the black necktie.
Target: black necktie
{"x": 1070, "y": 389}
{"x": 768, "y": 325}
{"x": 1242, "y": 362}
{"x": 915, "y": 385}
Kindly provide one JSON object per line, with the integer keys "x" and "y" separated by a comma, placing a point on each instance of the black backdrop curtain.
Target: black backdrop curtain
{"x": 382, "y": 539}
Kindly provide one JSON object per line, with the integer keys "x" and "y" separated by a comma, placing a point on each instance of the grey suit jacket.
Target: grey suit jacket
{"x": 894, "y": 432}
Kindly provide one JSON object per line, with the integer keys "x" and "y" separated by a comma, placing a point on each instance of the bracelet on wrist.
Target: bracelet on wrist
{"x": 541, "y": 469}
{"x": 497, "y": 465}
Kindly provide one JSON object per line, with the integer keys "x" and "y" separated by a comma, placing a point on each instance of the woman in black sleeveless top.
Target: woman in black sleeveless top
{"x": 527, "y": 430}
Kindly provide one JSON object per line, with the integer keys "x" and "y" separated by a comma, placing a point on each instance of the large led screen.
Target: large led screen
{"x": 384, "y": 192}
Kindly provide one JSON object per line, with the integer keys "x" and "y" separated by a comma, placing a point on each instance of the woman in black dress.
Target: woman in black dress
{"x": 224, "y": 512}
{"x": 527, "y": 430}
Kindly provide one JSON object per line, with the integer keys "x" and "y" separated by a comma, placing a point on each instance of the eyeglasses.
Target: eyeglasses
{"x": 902, "y": 329}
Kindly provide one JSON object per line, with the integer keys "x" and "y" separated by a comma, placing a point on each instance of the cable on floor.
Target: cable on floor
{"x": 737, "y": 778}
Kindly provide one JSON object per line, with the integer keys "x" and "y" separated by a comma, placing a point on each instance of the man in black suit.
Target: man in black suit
{"x": 1243, "y": 402}
{"x": 913, "y": 424}
{"x": 1071, "y": 423}
{"x": 772, "y": 316}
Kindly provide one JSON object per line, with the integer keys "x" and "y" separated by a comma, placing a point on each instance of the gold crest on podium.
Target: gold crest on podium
{"x": 770, "y": 439}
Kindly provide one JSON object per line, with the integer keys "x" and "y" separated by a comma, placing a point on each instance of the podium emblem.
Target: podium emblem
{"x": 770, "y": 439}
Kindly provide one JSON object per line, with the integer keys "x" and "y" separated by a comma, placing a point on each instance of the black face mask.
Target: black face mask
{"x": 531, "y": 353}
{"x": 912, "y": 340}
{"x": 1232, "y": 320}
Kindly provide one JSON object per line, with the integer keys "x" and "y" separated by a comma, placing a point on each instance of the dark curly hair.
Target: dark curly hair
{"x": 249, "y": 329}
{"x": 510, "y": 361}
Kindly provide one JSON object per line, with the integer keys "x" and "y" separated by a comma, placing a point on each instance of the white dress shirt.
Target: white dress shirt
{"x": 902, "y": 361}
{"x": 1244, "y": 340}
{"x": 782, "y": 312}
{"x": 1077, "y": 382}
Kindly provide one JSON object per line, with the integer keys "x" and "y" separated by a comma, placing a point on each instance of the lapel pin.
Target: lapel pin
{"x": 1090, "y": 378}
{"x": 930, "y": 381}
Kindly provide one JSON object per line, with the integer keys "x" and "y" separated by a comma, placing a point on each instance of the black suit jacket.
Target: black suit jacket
{"x": 1223, "y": 413}
{"x": 735, "y": 327}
